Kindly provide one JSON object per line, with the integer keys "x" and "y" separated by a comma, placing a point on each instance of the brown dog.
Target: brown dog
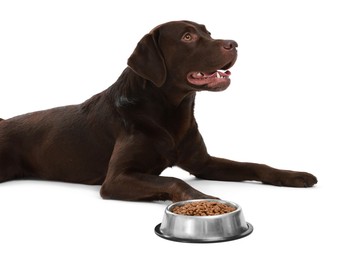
{"x": 125, "y": 136}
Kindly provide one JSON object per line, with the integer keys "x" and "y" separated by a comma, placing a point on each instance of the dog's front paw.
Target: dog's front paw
{"x": 291, "y": 179}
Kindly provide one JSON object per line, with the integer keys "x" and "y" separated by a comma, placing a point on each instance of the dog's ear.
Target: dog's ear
{"x": 147, "y": 60}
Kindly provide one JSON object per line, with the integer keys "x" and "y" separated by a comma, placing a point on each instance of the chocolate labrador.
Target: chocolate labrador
{"x": 125, "y": 136}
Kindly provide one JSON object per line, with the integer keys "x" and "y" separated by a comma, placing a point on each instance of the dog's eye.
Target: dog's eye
{"x": 187, "y": 37}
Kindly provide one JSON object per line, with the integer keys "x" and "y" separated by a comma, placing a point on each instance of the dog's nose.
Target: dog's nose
{"x": 229, "y": 44}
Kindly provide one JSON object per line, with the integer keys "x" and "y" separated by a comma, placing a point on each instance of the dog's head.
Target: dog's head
{"x": 184, "y": 54}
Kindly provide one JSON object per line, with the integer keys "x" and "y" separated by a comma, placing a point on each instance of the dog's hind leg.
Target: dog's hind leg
{"x": 10, "y": 162}
{"x": 9, "y": 168}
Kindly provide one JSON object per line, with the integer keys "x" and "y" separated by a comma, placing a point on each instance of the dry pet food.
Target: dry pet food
{"x": 203, "y": 208}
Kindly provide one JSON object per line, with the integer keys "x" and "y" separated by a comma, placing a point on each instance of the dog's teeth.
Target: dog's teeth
{"x": 200, "y": 74}
{"x": 218, "y": 75}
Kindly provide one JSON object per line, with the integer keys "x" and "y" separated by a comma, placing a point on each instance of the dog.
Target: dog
{"x": 125, "y": 136}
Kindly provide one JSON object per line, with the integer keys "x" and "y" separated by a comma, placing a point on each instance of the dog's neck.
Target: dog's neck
{"x": 168, "y": 106}
{"x": 177, "y": 95}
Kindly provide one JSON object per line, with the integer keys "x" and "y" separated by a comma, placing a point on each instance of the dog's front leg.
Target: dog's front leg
{"x": 133, "y": 174}
{"x": 195, "y": 159}
{"x": 227, "y": 170}
{"x": 136, "y": 186}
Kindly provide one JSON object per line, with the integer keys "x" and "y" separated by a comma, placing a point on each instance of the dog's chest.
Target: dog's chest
{"x": 179, "y": 121}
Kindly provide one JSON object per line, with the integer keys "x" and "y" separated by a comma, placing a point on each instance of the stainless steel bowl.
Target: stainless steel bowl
{"x": 203, "y": 229}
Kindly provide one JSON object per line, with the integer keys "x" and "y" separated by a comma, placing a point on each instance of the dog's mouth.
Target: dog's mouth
{"x": 214, "y": 80}
{"x": 203, "y": 78}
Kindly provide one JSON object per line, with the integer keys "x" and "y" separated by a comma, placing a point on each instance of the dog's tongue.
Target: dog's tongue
{"x": 217, "y": 74}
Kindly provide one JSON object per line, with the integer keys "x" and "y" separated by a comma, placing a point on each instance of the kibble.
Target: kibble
{"x": 203, "y": 208}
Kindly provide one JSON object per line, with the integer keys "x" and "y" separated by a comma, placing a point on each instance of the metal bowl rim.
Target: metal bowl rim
{"x": 178, "y": 203}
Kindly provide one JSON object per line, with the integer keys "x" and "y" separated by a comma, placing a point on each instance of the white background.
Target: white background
{"x": 283, "y": 108}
